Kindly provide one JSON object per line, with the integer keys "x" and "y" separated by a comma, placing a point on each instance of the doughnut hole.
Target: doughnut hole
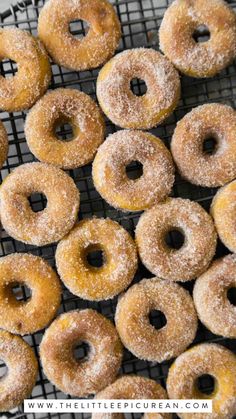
{"x": 8, "y": 68}
{"x": 174, "y": 238}
{"x": 138, "y": 87}
{"x": 201, "y": 34}
{"x": 95, "y": 256}
{"x": 157, "y": 319}
{"x": 206, "y": 384}
{"x": 210, "y": 144}
{"x": 231, "y": 295}
{"x": 3, "y": 369}
{"x": 134, "y": 170}
{"x": 81, "y": 351}
{"x": 20, "y": 292}
{"x": 37, "y": 201}
{"x": 78, "y": 28}
{"x": 64, "y": 130}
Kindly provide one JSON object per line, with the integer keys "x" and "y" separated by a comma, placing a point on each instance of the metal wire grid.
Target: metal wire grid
{"x": 140, "y": 22}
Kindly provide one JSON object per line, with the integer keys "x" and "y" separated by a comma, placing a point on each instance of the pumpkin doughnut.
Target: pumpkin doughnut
{"x": 58, "y": 107}
{"x": 27, "y": 317}
{"x": 111, "y": 180}
{"x": 134, "y": 327}
{"x": 46, "y": 226}
{"x": 179, "y": 25}
{"x": 200, "y": 238}
{"x": 95, "y": 48}
{"x": 101, "y": 366}
{"x": 211, "y": 359}
{"x": 223, "y": 210}
{"x": 3, "y": 144}
{"x": 118, "y": 101}
{"x": 132, "y": 387}
{"x": 210, "y": 296}
{"x": 17, "y": 384}
{"x": 34, "y": 72}
{"x": 119, "y": 259}
{"x": 214, "y": 121}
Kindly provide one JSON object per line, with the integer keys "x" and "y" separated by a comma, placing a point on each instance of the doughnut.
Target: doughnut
{"x": 34, "y": 72}
{"x": 211, "y": 359}
{"x": 22, "y": 317}
{"x": 139, "y": 336}
{"x": 109, "y": 170}
{"x": 132, "y": 387}
{"x": 46, "y": 226}
{"x": 98, "y": 370}
{"x": 3, "y": 144}
{"x": 121, "y": 105}
{"x": 193, "y": 223}
{"x": 22, "y": 368}
{"x": 211, "y": 121}
{"x": 119, "y": 259}
{"x": 223, "y": 210}
{"x": 57, "y": 108}
{"x": 210, "y": 297}
{"x": 185, "y": 18}
{"x": 95, "y": 48}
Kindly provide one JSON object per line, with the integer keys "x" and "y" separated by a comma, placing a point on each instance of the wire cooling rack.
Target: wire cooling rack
{"x": 140, "y": 22}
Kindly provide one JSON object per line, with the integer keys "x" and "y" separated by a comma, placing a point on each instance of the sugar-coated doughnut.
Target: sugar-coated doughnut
{"x": 223, "y": 211}
{"x": 200, "y": 238}
{"x": 132, "y": 387}
{"x": 27, "y": 317}
{"x": 101, "y": 366}
{"x": 118, "y": 101}
{"x": 54, "y": 109}
{"x": 199, "y": 59}
{"x": 211, "y": 359}
{"x": 46, "y": 226}
{"x": 22, "y": 368}
{"x": 3, "y": 144}
{"x": 119, "y": 259}
{"x": 109, "y": 170}
{"x": 34, "y": 72}
{"x": 210, "y": 297}
{"x": 139, "y": 336}
{"x": 215, "y": 121}
{"x": 95, "y": 48}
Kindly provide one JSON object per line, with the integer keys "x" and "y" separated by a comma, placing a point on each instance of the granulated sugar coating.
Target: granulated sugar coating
{"x": 119, "y": 259}
{"x": 202, "y": 359}
{"x": 132, "y": 387}
{"x": 24, "y": 317}
{"x": 75, "y": 377}
{"x": 223, "y": 210}
{"x": 214, "y": 121}
{"x": 109, "y": 170}
{"x": 118, "y": 101}
{"x": 135, "y": 329}
{"x": 210, "y": 297}
{"x": 3, "y": 144}
{"x": 200, "y": 238}
{"x": 54, "y": 109}
{"x": 95, "y": 48}
{"x": 199, "y": 59}
{"x": 22, "y": 366}
{"x": 34, "y": 72}
{"x": 46, "y": 226}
